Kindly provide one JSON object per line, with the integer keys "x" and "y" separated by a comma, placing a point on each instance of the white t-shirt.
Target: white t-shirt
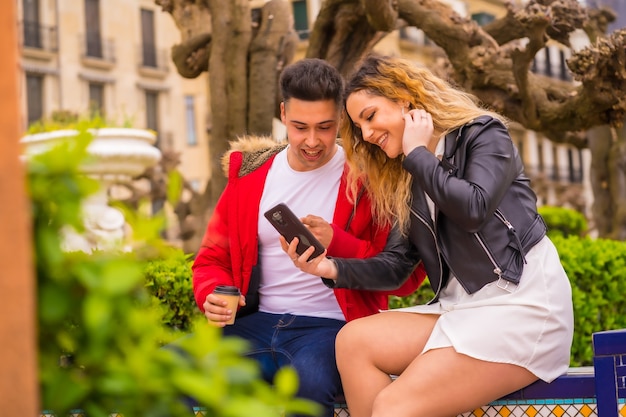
{"x": 283, "y": 287}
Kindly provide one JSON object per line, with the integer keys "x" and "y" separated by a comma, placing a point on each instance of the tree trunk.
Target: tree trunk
{"x": 608, "y": 181}
{"x": 228, "y": 81}
{"x": 617, "y": 169}
{"x": 271, "y": 49}
{"x": 19, "y": 384}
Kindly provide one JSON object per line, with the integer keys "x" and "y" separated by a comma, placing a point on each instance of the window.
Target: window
{"x": 152, "y": 114}
{"x": 34, "y": 97}
{"x": 148, "y": 46}
{"x": 482, "y": 18}
{"x": 190, "y": 121}
{"x": 555, "y": 164}
{"x": 92, "y": 28}
{"x": 565, "y": 75}
{"x": 540, "y": 157}
{"x": 575, "y": 159}
{"x": 32, "y": 26}
{"x": 548, "y": 66}
{"x": 301, "y": 20}
{"x": 96, "y": 98}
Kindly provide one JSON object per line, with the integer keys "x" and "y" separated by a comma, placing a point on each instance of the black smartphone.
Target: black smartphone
{"x": 290, "y": 226}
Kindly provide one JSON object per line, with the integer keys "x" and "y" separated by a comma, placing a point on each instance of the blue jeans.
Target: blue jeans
{"x": 305, "y": 343}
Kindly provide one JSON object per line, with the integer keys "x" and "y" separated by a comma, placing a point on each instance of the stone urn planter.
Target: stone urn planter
{"x": 117, "y": 155}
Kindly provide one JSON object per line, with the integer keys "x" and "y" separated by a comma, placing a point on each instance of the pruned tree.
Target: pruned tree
{"x": 244, "y": 56}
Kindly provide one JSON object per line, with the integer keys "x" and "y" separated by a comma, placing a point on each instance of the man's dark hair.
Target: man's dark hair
{"x": 311, "y": 79}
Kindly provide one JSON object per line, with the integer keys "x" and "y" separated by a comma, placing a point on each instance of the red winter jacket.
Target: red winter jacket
{"x": 229, "y": 248}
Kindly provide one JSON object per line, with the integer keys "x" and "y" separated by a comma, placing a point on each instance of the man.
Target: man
{"x": 298, "y": 316}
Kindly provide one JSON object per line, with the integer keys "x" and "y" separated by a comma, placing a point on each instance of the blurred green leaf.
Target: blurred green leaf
{"x": 174, "y": 187}
{"x": 286, "y": 381}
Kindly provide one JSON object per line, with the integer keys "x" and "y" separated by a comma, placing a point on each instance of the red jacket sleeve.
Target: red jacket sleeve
{"x": 212, "y": 266}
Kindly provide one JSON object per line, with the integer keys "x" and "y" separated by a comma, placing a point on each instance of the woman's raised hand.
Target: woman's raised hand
{"x": 418, "y": 130}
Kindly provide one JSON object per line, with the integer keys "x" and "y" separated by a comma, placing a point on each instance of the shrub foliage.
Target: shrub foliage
{"x": 105, "y": 346}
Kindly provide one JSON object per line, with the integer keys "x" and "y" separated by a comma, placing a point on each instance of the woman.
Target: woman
{"x": 448, "y": 171}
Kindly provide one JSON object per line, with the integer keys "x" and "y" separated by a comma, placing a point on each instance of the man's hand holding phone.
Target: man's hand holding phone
{"x": 290, "y": 227}
{"x": 305, "y": 250}
{"x": 320, "y": 228}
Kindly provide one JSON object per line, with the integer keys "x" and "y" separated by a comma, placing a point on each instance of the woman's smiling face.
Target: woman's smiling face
{"x": 380, "y": 120}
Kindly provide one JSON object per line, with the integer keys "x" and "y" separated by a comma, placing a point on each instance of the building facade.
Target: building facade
{"x": 113, "y": 56}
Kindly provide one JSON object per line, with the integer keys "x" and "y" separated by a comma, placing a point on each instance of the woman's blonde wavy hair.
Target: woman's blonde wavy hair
{"x": 400, "y": 81}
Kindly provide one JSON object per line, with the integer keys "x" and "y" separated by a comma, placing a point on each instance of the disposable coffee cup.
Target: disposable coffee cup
{"x": 231, "y": 295}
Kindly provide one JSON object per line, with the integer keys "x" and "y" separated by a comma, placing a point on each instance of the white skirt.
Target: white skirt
{"x": 531, "y": 327}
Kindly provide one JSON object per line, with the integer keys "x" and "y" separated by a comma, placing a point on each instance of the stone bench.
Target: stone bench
{"x": 570, "y": 394}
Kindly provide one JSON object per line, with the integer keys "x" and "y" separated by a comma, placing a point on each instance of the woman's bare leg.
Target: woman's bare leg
{"x": 372, "y": 348}
{"x": 444, "y": 383}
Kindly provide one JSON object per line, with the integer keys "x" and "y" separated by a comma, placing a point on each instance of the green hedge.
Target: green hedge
{"x": 563, "y": 221}
{"x": 596, "y": 268}
{"x": 169, "y": 282}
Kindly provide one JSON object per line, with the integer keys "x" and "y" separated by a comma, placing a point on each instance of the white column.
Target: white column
{"x": 563, "y": 163}
{"x": 531, "y": 155}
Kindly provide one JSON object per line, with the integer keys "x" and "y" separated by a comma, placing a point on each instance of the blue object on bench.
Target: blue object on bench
{"x": 576, "y": 383}
{"x": 609, "y": 361}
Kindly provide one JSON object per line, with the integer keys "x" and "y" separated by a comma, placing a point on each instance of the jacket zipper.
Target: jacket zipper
{"x": 432, "y": 232}
{"x": 511, "y": 230}
{"x": 496, "y": 268}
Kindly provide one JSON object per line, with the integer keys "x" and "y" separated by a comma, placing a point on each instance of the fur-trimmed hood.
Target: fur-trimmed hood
{"x": 255, "y": 149}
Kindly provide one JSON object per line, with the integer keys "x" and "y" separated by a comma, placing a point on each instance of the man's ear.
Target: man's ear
{"x": 283, "y": 118}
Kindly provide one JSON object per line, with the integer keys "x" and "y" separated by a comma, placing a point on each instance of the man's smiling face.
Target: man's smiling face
{"x": 312, "y": 128}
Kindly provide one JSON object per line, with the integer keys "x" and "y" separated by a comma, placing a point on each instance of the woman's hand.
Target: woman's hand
{"x": 320, "y": 266}
{"x": 418, "y": 130}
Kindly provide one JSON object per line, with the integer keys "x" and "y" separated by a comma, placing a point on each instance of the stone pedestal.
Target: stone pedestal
{"x": 117, "y": 155}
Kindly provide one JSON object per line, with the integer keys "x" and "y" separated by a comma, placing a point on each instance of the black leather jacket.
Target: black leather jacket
{"x": 486, "y": 215}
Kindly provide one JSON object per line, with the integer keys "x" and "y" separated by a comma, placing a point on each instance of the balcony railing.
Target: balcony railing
{"x": 94, "y": 47}
{"x": 38, "y": 36}
{"x": 153, "y": 58}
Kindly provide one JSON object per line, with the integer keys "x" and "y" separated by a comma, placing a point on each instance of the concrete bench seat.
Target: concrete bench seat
{"x": 577, "y": 382}
{"x": 573, "y": 390}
